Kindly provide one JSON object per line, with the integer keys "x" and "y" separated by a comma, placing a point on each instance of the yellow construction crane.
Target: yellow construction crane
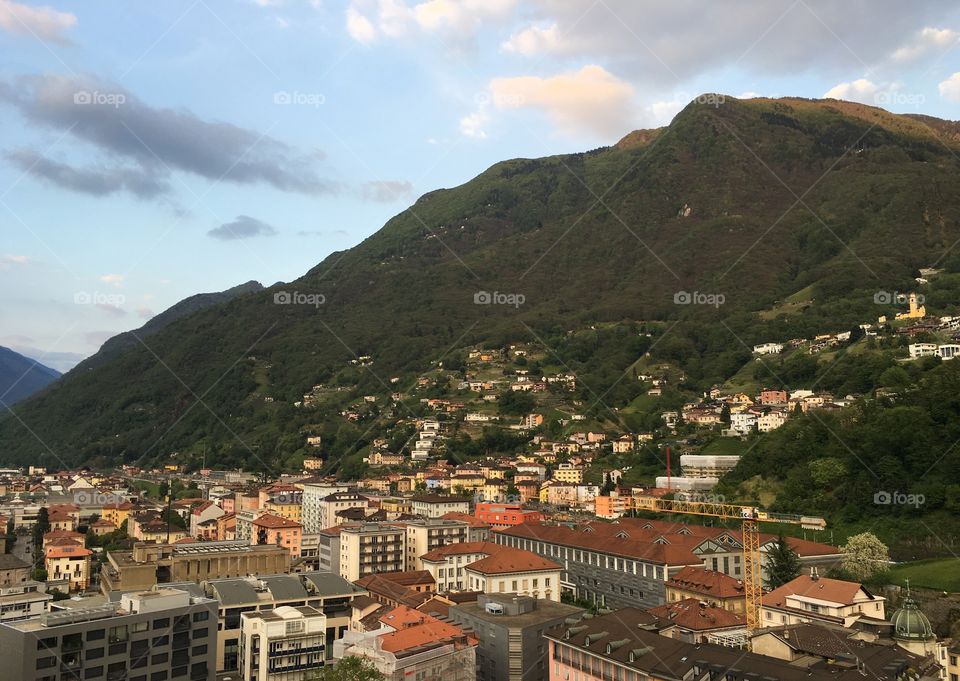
{"x": 750, "y": 517}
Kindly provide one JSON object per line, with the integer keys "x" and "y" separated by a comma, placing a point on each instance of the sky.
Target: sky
{"x": 153, "y": 150}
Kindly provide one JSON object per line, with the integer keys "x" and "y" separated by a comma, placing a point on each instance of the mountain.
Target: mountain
{"x": 740, "y": 222}
{"x": 21, "y": 376}
{"x": 117, "y": 344}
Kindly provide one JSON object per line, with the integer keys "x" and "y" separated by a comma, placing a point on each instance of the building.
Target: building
{"x": 150, "y": 564}
{"x": 448, "y": 565}
{"x": 330, "y": 594}
{"x": 707, "y": 465}
{"x": 147, "y": 635}
{"x": 369, "y": 548}
{"x": 278, "y": 531}
{"x": 568, "y": 473}
{"x": 283, "y": 644}
{"x": 436, "y": 505}
{"x": 69, "y": 564}
{"x": 514, "y": 571}
{"x": 624, "y": 646}
{"x": 23, "y": 601}
{"x": 331, "y": 507}
{"x": 413, "y": 645}
{"x": 510, "y": 629}
{"x": 13, "y": 570}
{"x": 695, "y": 621}
{"x": 426, "y": 534}
{"x": 500, "y": 516}
{"x": 810, "y": 598}
{"x": 314, "y": 492}
{"x": 713, "y": 588}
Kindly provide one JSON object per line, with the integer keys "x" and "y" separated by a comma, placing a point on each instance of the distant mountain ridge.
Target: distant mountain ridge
{"x": 117, "y": 344}
{"x": 21, "y": 376}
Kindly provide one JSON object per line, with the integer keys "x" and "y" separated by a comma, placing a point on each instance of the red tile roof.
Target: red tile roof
{"x": 822, "y": 588}
{"x": 690, "y": 614}
{"x": 275, "y": 522}
{"x": 707, "y": 582}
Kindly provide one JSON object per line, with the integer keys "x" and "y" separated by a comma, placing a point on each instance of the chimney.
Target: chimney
{"x": 813, "y": 573}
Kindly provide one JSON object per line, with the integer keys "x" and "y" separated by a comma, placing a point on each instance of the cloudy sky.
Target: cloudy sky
{"x": 178, "y": 147}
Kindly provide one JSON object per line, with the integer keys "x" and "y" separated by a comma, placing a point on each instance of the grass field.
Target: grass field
{"x": 934, "y": 573}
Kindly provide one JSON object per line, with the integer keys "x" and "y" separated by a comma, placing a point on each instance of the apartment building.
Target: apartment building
{"x": 284, "y": 644}
{"x": 330, "y": 507}
{"x": 500, "y": 516}
{"x": 427, "y": 534}
{"x": 323, "y": 591}
{"x": 706, "y": 465}
{"x": 69, "y": 564}
{"x": 314, "y": 492}
{"x": 568, "y": 473}
{"x": 511, "y": 632}
{"x": 811, "y": 598}
{"x": 436, "y": 505}
{"x": 278, "y": 531}
{"x": 23, "y": 601}
{"x": 369, "y": 548}
{"x": 149, "y": 635}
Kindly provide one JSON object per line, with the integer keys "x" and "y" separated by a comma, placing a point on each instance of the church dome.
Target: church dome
{"x": 909, "y": 623}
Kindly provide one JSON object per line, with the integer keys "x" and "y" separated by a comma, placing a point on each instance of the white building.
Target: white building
{"x": 922, "y": 350}
{"x": 772, "y": 420}
{"x": 768, "y": 349}
{"x": 313, "y": 495}
{"x": 22, "y": 601}
{"x": 948, "y": 351}
{"x": 284, "y": 644}
{"x": 685, "y": 484}
{"x": 743, "y": 422}
{"x": 706, "y": 465}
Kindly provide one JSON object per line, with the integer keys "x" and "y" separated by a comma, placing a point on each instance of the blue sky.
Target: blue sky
{"x": 153, "y": 150}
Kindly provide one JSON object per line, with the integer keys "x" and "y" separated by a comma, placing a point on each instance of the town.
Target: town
{"x": 508, "y": 569}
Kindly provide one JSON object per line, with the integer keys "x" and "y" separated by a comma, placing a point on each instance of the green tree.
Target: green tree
{"x": 864, "y": 557}
{"x": 783, "y": 564}
{"x": 349, "y": 668}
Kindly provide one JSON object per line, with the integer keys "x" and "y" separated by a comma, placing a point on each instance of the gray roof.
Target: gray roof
{"x": 8, "y": 561}
{"x": 285, "y": 587}
{"x": 329, "y": 584}
{"x": 233, "y": 591}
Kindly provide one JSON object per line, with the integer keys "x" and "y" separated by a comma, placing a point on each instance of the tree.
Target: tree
{"x": 40, "y": 528}
{"x": 349, "y": 668}
{"x": 783, "y": 564}
{"x": 864, "y": 556}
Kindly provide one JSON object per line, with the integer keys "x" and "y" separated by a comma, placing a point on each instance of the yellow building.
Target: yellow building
{"x": 288, "y": 509}
{"x": 117, "y": 513}
{"x": 916, "y": 311}
{"x": 568, "y": 473}
{"x": 70, "y": 562}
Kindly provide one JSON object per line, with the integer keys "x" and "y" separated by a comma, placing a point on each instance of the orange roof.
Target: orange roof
{"x": 707, "y": 582}
{"x": 689, "y": 614}
{"x": 462, "y": 549}
{"x": 512, "y": 560}
{"x": 822, "y": 588}
{"x": 420, "y": 630}
{"x": 275, "y": 522}
{"x": 67, "y": 552}
{"x": 471, "y": 520}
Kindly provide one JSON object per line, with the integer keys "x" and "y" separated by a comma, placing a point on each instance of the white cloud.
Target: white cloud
{"x": 115, "y": 280}
{"x": 144, "y": 312}
{"x": 533, "y": 40}
{"x": 950, "y": 88}
{"x": 359, "y": 27}
{"x": 9, "y": 261}
{"x": 473, "y": 124}
{"x": 925, "y": 41}
{"x": 749, "y": 94}
{"x": 282, "y": 23}
{"x": 45, "y": 23}
{"x": 590, "y": 100}
{"x": 367, "y": 20}
{"x": 860, "y": 90}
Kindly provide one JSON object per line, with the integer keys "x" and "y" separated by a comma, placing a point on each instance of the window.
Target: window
{"x": 160, "y": 658}
{"x": 137, "y": 627}
{"x": 118, "y": 634}
{"x": 94, "y": 653}
{"x": 96, "y": 635}
{"x": 93, "y": 672}
{"x": 162, "y": 623}
{"x": 159, "y": 676}
{"x": 46, "y": 662}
